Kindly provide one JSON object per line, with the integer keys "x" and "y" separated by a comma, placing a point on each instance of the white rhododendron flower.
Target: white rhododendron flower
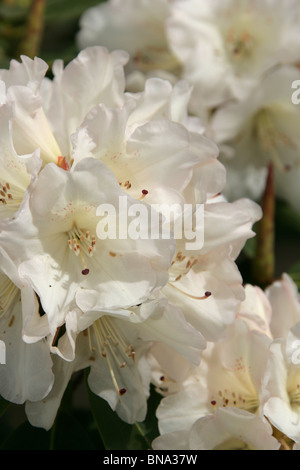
{"x": 229, "y": 377}
{"x": 27, "y": 374}
{"x": 86, "y": 159}
{"x": 114, "y": 346}
{"x": 282, "y": 408}
{"x": 251, "y": 374}
{"x": 227, "y": 429}
{"x": 233, "y": 372}
{"x": 283, "y": 385}
{"x": 16, "y": 171}
{"x": 61, "y": 256}
{"x": 131, "y": 138}
{"x": 221, "y": 48}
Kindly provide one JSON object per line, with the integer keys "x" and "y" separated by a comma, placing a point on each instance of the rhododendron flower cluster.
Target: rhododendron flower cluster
{"x": 73, "y": 300}
{"x": 241, "y": 57}
{"x": 134, "y": 177}
{"x": 203, "y": 114}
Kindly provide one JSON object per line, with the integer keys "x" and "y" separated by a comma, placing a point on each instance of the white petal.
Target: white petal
{"x": 27, "y": 373}
{"x": 232, "y": 429}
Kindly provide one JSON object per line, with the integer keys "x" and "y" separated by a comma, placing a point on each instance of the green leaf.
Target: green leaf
{"x": 66, "y": 434}
{"x": 13, "y": 12}
{"x": 295, "y": 273}
{"x": 67, "y": 9}
{"x": 3, "y": 406}
{"x": 287, "y": 219}
{"x": 27, "y": 437}
{"x": 69, "y": 434}
{"x": 118, "y": 435}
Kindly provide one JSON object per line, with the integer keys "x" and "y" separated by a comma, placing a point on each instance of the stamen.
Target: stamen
{"x": 11, "y": 195}
{"x": 112, "y": 346}
{"x": 205, "y": 296}
{"x": 8, "y": 294}
{"x": 82, "y": 243}
{"x": 240, "y": 44}
{"x": 224, "y": 399}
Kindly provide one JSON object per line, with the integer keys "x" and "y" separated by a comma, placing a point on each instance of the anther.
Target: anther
{"x": 144, "y": 193}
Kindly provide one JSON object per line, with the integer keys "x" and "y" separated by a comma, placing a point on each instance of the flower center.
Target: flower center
{"x": 180, "y": 266}
{"x": 225, "y": 398}
{"x": 270, "y": 137}
{"x": 156, "y": 58}
{"x": 240, "y": 45}
{"x": 105, "y": 338}
{"x": 294, "y": 395}
{"x": 233, "y": 444}
{"x": 83, "y": 244}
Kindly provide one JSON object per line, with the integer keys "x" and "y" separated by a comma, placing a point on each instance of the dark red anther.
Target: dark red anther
{"x": 122, "y": 391}
{"x": 85, "y": 271}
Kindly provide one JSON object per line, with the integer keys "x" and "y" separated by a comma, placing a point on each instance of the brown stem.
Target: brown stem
{"x": 30, "y": 45}
{"x": 264, "y": 261}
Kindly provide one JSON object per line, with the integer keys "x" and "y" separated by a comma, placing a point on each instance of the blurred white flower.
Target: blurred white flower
{"x": 261, "y": 129}
{"x": 226, "y": 46}
{"x": 224, "y": 49}
{"x": 137, "y": 27}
